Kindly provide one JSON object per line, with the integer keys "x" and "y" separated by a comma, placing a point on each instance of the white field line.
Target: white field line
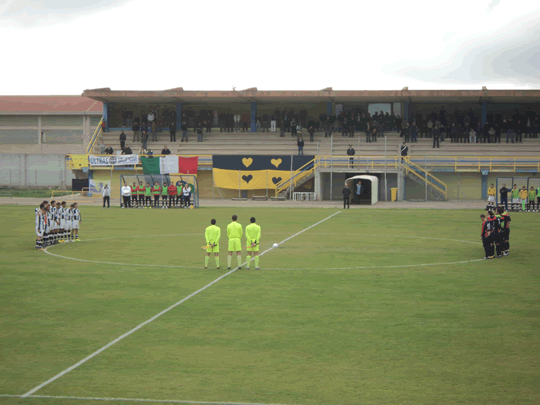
{"x": 67, "y": 370}
{"x": 169, "y": 401}
{"x": 376, "y": 267}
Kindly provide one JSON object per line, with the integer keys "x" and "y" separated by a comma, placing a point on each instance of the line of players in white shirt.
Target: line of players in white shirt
{"x": 56, "y": 223}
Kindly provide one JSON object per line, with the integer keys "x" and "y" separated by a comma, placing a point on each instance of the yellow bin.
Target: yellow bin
{"x": 394, "y": 194}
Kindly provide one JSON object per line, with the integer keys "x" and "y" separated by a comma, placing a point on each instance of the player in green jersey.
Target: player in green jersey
{"x": 532, "y": 197}
{"x": 164, "y": 194}
{"x": 212, "y": 235}
{"x": 148, "y": 196}
{"x": 515, "y": 198}
{"x": 253, "y": 236}
{"x": 234, "y": 233}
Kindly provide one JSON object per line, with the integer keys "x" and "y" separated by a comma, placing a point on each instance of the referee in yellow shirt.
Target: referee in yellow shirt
{"x": 234, "y": 233}
{"x": 491, "y": 198}
{"x": 253, "y": 236}
{"x": 212, "y": 235}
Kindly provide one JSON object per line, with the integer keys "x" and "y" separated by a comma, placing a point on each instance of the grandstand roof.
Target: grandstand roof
{"x": 49, "y": 105}
{"x": 328, "y": 94}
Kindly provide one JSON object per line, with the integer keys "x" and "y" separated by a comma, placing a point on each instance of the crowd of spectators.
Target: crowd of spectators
{"x": 441, "y": 125}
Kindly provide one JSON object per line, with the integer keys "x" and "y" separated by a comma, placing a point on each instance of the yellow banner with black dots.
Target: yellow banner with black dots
{"x": 255, "y": 172}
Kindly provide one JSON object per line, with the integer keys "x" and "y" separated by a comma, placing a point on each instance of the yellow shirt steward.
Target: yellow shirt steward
{"x": 234, "y": 233}
{"x": 253, "y": 235}
{"x": 492, "y": 192}
{"x": 212, "y": 235}
{"x": 523, "y": 194}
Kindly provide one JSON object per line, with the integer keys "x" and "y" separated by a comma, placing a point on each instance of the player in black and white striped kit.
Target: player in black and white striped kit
{"x": 76, "y": 219}
{"x": 41, "y": 220}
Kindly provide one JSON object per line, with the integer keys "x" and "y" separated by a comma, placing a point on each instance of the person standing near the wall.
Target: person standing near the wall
{"x": 346, "y": 194}
{"x": 404, "y": 150}
{"x": 515, "y": 198}
{"x": 491, "y": 197}
{"x": 122, "y": 140}
{"x": 126, "y": 194}
{"x": 147, "y": 196}
{"x": 133, "y": 195}
{"x": 106, "y": 192}
{"x": 156, "y": 190}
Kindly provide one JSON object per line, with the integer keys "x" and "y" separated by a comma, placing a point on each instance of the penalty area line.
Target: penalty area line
{"x": 135, "y": 329}
{"x": 168, "y": 401}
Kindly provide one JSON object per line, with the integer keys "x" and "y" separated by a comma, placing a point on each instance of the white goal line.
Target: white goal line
{"x": 135, "y": 329}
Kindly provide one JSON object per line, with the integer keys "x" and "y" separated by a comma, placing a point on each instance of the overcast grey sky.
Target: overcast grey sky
{"x": 66, "y": 46}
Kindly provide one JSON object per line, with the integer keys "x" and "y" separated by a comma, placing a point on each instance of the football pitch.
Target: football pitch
{"x": 354, "y": 307}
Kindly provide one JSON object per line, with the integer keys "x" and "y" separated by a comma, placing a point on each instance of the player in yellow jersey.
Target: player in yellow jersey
{"x": 491, "y": 197}
{"x": 234, "y": 233}
{"x": 253, "y": 236}
{"x": 212, "y": 235}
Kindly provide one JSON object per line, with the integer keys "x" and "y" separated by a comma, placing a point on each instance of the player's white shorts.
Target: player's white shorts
{"x": 62, "y": 224}
{"x": 75, "y": 225}
{"x": 516, "y": 200}
{"x": 491, "y": 198}
{"x": 68, "y": 226}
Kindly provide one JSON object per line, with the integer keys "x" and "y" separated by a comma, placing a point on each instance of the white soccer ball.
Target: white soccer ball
{"x": 275, "y": 245}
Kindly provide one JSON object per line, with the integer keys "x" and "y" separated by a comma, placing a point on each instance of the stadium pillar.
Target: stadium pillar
{"x": 484, "y": 184}
{"x": 401, "y": 186}
{"x": 405, "y": 108}
{"x": 179, "y": 116}
{"x": 106, "y": 116}
{"x": 253, "y": 117}
{"x": 329, "y": 108}
{"x": 484, "y": 113}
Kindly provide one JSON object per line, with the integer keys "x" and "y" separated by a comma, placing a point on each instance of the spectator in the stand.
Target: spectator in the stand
{"x": 311, "y": 131}
{"x": 150, "y": 118}
{"x": 350, "y": 153}
{"x": 127, "y": 151}
{"x": 479, "y": 133}
{"x": 258, "y": 123}
{"x": 172, "y": 130}
{"x": 472, "y": 136}
{"x": 300, "y": 145}
{"x": 136, "y": 128}
{"x": 144, "y": 139}
{"x": 184, "y": 129}
{"x": 109, "y": 150}
{"x": 453, "y": 133}
{"x": 102, "y": 148}
{"x": 122, "y": 140}
{"x": 237, "y": 122}
{"x": 489, "y": 132}
{"x": 154, "y": 132}
{"x": 265, "y": 122}
{"x": 293, "y": 128}
{"x": 414, "y": 132}
{"x": 142, "y": 151}
{"x": 374, "y": 131}
{"x": 230, "y": 120}
{"x": 323, "y": 121}
{"x": 165, "y": 151}
{"x": 536, "y": 130}
{"x": 404, "y": 150}
{"x": 124, "y": 117}
{"x": 200, "y": 132}
{"x": 103, "y": 126}
{"x": 519, "y": 131}
{"x": 332, "y": 122}
{"x": 436, "y": 133}
{"x": 510, "y": 128}
{"x": 397, "y": 123}
{"x": 403, "y": 127}
{"x": 208, "y": 126}
{"x": 340, "y": 119}
{"x": 245, "y": 122}
{"x": 273, "y": 122}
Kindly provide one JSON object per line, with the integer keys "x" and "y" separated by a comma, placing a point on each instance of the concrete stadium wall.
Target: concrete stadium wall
{"x": 28, "y": 170}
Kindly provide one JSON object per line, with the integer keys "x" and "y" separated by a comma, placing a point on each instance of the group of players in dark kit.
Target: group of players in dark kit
{"x": 496, "y": 233}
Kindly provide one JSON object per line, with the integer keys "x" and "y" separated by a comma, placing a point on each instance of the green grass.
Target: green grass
{"x": 323, "y": 322}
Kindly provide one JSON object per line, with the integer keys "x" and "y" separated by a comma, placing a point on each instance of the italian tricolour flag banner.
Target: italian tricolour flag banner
{"x": 170, "y": 164}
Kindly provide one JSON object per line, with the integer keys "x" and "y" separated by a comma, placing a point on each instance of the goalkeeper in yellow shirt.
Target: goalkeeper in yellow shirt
{"x": 492, "y": 191}
{"x": 212, "y": 235}
{"x": 234, "y": 233}
{"x": 253, "y": 236}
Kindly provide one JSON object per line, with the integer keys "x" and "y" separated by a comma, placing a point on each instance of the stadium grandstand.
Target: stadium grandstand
{"x": 483, "y": 135}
